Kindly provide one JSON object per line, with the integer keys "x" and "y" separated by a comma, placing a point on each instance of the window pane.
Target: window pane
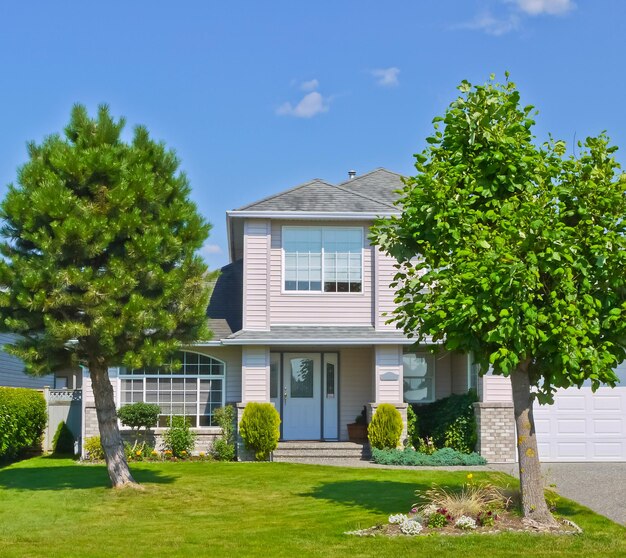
{"x": 301, "y": 377}
{"x": 418, "y": 378}
{"x": 274, "y": 372}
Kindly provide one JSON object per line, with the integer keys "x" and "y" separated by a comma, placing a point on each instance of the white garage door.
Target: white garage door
{"x": 584, "y": 426}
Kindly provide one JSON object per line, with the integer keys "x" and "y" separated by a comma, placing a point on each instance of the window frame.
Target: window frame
{"x": 323, "y": 229}
{"x": 123, "y": 374}
{"x": 430, "y": 358}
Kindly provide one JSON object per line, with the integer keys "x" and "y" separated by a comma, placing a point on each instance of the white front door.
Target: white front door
{"x": 302, "y": 389}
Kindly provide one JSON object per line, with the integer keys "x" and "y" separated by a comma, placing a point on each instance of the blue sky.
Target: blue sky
{"x": 256, "y": 97}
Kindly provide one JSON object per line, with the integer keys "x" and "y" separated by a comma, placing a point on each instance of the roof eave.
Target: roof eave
{"x": 330, "y": 342}
{"x": 304, "y": 215}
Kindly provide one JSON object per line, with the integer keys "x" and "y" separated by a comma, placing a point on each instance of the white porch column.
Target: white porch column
{"x": 255, "y": 374}
{"x": 388, "y": 382}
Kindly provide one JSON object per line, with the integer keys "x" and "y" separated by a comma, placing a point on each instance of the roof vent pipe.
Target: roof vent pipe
{"x": 351, "y": 174}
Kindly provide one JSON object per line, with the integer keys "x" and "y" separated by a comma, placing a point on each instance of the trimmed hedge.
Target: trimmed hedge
{"x": 448, "y": 422}
{"x": 22, "y": 420}
{"x": 440, "y": 458}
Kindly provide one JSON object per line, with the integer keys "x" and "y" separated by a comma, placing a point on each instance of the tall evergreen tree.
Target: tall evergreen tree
{"x": 516, "y": 252}
{"x": 100, "y": 263}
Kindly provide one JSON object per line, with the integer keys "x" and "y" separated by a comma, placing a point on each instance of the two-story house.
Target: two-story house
{"x": 300, "y": 320}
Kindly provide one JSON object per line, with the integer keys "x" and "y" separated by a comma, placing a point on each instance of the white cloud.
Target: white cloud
{"x": 387, "y": 77}
{"x": 209, "y": 249}
{"x": 310, "y": 105}
{"x": 490, "y": 24}
{"x": 310, "y": 85}
{"x": 551, "y": 7}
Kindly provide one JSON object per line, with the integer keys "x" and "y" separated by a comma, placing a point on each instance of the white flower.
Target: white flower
{"x": 465, "y": 523}
{"x": 397, "y": 519}
{"x": 429, "y": 510}
{"x": 411, "y": 527}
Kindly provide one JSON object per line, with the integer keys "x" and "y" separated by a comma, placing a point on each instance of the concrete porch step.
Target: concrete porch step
{"x": 300, "y": 451}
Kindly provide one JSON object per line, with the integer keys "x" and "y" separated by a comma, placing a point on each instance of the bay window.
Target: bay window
{"x": 194, "y": 390}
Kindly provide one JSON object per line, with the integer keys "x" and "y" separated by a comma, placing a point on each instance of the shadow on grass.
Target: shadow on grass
{"x": 62, "y": 477}
{"x": 380, "y": 496}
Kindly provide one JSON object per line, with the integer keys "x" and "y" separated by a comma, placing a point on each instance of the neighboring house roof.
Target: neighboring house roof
{"x": 225, "y": 306}
{"x": 319, "y": 196}
{"x": 380, "y": 184}
{"x": 327, "y": 335}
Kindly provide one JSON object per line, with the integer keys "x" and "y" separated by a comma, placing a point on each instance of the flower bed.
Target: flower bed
{"x": 476, "y": 508}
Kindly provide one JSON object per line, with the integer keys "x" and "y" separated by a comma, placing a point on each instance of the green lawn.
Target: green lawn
{"x": 54, "y": 507}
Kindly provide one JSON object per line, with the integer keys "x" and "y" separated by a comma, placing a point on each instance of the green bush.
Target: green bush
{"x": 178, "y": 438}
{"x": 441, "y": 457}
{"x": 223, "y": 449}
{"x": 260, "y": 429}
{"x": 412, "y": 428}
{"x": 449, "y": 422}
{"x": 22, "y": 420}
{"x": 386, "y": 427}
{"x": 63, "y": 440}
{"x": 93, "y": 449}
{"x": 140, "y": 417}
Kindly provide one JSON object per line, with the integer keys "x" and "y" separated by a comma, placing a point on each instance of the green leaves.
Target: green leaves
{"x": 522, "y": 247}
{"x": 100, "y": 243}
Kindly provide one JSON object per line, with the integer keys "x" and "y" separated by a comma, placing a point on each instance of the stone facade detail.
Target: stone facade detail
{"x": 204, "y": 436}
{"x": 495, "y": 426}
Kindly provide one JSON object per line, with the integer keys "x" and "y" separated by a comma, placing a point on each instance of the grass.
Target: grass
{"x": 54, "y": 507}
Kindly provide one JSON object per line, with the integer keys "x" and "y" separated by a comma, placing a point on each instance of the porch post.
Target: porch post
{"x": 388, "y": 382}
{"x": 255, "y": 386}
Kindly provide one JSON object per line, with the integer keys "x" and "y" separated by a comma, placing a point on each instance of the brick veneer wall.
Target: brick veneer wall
{"x": 495, "y": 425}
{"x": 204, "y": 436}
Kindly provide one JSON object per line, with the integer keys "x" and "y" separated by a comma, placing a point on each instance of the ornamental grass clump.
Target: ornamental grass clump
{"x": 260, "y": 429}
{"x": 386, "y": 427}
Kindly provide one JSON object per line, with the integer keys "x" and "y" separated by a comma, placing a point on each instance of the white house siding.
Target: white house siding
{"x": 255, "y": 274}
{"x": 496, "y": 389}
{"x": 356, "y": 384}
{"x": 384, "y": 296}
{"x": 255, "y": 372}
{"x": 388, "y": 363}
{"x": 319, "y": 308}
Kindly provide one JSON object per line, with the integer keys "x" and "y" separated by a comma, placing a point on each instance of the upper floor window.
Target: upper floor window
{"x": 328, "y": 259}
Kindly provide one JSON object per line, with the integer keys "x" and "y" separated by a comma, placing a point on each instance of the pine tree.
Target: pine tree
{"x": 100, "y": 265}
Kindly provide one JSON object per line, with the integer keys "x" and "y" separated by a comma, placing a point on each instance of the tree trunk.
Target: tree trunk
{"x": 531, "y": 482}
{"x": 110, "y": 438}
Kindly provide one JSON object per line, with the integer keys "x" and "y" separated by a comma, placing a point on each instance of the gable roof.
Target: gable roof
{"x": 320, "y": 196}
{"x": 225, "y": 306}
{"x": 380, "y": 184}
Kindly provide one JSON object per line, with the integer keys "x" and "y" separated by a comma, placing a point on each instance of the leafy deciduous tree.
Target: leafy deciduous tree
{"x": 100, "y": 264}
{"x": 520, "y": 256}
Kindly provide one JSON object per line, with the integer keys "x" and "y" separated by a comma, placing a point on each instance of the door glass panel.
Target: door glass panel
{"x": 274, "y": 370}
{"x": 302, "y": 377}
{"x": 330, "y": 379}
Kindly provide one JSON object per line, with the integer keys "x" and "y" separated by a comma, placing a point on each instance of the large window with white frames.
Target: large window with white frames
{"x": 194, "y": 389}
{"x": 323, "y": 259}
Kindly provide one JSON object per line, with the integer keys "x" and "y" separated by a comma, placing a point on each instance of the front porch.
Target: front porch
{"x": 319, "y": 389}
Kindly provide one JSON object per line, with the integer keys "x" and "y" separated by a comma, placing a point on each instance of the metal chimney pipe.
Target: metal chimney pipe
{"x": 351, "y": 174}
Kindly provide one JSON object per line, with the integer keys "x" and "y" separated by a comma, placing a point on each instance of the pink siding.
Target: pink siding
{"x": 255, "y": 277}
{"x": 496, "y": 388}
{"x": 388, "y": 361}
{"x": 355, "y": 385}
{"x": 459, "y": 372}
{"x": 384, "y": 303}
{"x": 255, "y": 374}
{"x": 318, "y": 308}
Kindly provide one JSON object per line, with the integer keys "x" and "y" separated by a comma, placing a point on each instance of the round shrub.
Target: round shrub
{"x": 93, "y": 449}
{"x": 178, "y": 438}
{"x": 260, "y": 429}
{"x": 386, "y": 427}
{"x": 22, "y": 420}
{"x": 63, "y": 440}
